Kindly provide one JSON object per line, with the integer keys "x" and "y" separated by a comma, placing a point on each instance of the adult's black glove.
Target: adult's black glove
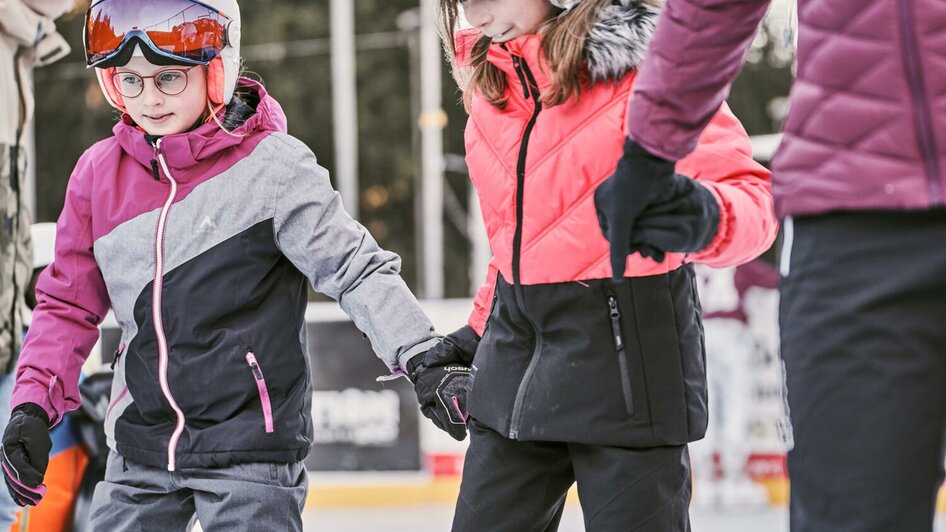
{"x": 619, "y": 200}
{"x": 24, "y": 454}
{"x": 442, "y": 378}
{"x": 684, "y": 218}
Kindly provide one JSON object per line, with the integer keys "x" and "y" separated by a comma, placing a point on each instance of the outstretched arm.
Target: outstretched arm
{"x": 695, "y": 54}
{"x": 343, "y": 261}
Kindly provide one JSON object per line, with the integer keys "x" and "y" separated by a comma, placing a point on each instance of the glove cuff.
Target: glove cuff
{"x": 714, "y": 214}
{"x": 467, "y": 341}
{"x": 32, "y": 409}
{"x": 413, "y": 364}
{"x": 633, "y": 149}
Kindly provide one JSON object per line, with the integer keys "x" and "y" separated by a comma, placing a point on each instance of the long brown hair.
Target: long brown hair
{"x": 563, "y": 43}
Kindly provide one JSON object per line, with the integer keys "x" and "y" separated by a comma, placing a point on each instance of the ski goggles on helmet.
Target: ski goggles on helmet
{"x": 182, "y": 31}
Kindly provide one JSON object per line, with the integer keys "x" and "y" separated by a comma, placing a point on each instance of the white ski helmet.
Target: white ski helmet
{"x": 565, "y": 4}
{"x": 173, "y": 32}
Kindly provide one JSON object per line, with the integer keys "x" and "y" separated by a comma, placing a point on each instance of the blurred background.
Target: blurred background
{"x": 364, "y": 84}
{"x": 288, "y": 44}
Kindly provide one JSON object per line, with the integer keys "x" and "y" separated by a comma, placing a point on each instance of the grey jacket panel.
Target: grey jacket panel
{"x": 342, "y": 260}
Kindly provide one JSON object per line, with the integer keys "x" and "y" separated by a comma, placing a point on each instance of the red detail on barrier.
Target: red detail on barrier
{"x": 444, "y": 465}
{"x": 759, "y": 466}
{"x": 766, "y": 466}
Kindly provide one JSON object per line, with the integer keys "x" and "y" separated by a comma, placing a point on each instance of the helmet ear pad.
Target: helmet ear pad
{"x": 112, "y": 96}
{"x": 217, "y": 81}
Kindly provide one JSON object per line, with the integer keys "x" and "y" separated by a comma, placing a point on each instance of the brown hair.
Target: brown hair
{"x": 563, "y": 43}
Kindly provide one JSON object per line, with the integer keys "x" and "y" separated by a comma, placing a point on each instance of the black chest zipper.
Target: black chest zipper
{"x": 530, "y": 91}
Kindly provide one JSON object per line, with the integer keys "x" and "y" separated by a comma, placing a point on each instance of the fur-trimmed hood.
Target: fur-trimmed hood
{"x": 617, "y": 43}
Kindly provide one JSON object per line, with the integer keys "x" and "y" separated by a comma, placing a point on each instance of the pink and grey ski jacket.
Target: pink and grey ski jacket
{"x": 867, "y": 125}
{"x": 202, "y": 244}
{"x": 566, "y": 354}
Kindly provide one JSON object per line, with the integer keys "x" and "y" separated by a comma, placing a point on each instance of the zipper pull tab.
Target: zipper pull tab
{"x": 117, "y": 355}
{"x": 154, "y": 170}
{"x": 517, "y": 64}
{"x": 254, "y": 366}
{"x": 616, "y": 323}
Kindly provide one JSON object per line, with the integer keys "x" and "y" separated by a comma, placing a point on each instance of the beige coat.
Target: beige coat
{"x": 28, "y": 38}
{"x": 27, "y": 33}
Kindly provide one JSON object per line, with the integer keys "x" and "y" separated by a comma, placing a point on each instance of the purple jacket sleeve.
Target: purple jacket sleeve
{"x": 71, "y": 301}
{"x": 695, "y": 54}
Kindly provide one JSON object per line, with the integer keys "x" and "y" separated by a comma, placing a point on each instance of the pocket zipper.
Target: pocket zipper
{"x": 117, "y": 355}
{"x": 263, "y": 391}
{"x": 618, "y": 338}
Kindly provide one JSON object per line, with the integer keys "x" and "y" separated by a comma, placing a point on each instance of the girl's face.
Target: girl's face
{"x": 502, "y": 20}
{"x": 159, "y": 113}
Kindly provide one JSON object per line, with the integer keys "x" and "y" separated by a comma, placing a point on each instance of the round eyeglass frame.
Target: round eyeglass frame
{"x": 116, "y": 81}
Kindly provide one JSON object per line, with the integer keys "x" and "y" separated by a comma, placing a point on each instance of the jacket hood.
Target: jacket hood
{"x": 616, "y": 44}
{"x": 184, "y": 151}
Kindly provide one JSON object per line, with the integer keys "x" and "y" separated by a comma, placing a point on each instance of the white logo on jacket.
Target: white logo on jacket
{"x": 207, "y": 227}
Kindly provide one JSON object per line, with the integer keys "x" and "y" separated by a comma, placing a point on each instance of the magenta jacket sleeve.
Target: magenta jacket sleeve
{"x": 695, "y": 54}
{"x": 71, "y": 302}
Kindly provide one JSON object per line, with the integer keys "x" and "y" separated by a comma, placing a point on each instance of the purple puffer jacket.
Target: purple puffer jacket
{"x": 867, "y": 126}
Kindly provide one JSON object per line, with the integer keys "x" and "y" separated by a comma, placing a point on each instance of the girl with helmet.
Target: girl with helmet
{"x": 198, "y": 223}
{"x": 581, "y": 377}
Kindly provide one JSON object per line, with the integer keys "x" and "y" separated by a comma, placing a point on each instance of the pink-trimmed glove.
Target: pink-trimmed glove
{"x": 442, "y": 378}
{"x": 24, "y": 454}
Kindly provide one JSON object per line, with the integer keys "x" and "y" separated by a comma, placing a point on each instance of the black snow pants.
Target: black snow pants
{"x": 516, "y": 486}
{"x": 863, "y": 325}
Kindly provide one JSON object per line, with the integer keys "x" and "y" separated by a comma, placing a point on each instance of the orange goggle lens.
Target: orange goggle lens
{"x": 178, "y": 29}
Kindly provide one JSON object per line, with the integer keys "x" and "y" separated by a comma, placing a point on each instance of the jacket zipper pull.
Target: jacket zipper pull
{"x": 156, "y": 145}
{"x": 117, "y": 355}
{"x": 622, "y": 356}
{"x": 616, "y": 323}
{"x": 517, "y": 64}
{"x": 257, "y": 374}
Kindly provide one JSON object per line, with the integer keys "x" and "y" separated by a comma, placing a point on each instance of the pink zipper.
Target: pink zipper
{"x": 263, "y": 391}
{"x": 156, "y": 310}
{"x": 115, "y": 402}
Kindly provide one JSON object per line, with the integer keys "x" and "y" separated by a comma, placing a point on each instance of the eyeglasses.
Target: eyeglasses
{"x": 171, "y": 81}
{"x": 184, "y": 30}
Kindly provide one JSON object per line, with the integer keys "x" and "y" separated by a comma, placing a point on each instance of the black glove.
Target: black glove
{"x": 684, "y": 218}
{"x": 442, "y": 378}
{"x": 24, "y": 454}
{"x": 639, "y": 178}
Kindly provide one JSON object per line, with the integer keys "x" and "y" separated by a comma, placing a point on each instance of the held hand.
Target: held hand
{"x": 442, "y": 378}
{"x": 684, "y": 218}
{"x": 441, "y": 392}
{"x": 24, "y": 454}
{"x": 620, "y": 199}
